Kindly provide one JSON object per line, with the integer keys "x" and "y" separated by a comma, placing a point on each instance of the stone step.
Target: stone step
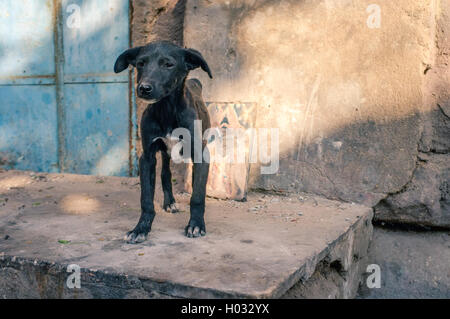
{"x": 268, "y": 247}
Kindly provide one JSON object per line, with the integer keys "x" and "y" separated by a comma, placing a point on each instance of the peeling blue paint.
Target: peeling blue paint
{"x": 62, "y": 107}
{"x": 46, "y": 98}
{"x": 28, "y": 131}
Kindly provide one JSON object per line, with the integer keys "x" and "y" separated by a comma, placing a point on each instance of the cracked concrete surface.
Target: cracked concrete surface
{"x": 260, "y": 248}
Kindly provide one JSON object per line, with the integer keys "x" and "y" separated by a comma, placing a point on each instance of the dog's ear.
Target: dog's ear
{"x": 126, "y": 58}
{"x": 194, "y": 59}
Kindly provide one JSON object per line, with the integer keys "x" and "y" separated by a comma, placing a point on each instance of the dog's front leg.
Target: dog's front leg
{"x": 166, "y": 180}
{"x": 196, "y": 226}
{"x": 147, "y": 165}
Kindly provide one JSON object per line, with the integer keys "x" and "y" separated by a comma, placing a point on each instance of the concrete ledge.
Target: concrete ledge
{"x": 267, "y": 247}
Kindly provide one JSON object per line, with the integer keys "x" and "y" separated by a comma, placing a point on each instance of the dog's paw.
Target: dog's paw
{"x": 135, "y": 236}
{"x": 172, "y": 208}
{"x": 195, "y": 229}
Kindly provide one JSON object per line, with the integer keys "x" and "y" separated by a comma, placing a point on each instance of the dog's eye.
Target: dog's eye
{"x": 140, "y": 64}
{"x": 168, "y": 64}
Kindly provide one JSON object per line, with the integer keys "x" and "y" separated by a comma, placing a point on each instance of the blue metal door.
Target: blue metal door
{"x": 62, "y": 108}
{"x": 28, "y": 115}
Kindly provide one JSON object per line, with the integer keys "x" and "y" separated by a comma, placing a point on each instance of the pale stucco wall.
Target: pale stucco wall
{"x": 350, "y": 101}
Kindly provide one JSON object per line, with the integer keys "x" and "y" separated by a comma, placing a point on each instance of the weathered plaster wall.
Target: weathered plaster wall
{"x": 363, "y": 112}
{"x": 425, "y": 199}
{"x": 355, "y": 105}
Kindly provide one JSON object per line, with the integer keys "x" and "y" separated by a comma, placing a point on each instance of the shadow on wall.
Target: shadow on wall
{"x": 404, "y": 182}
{"x": 353, "y": 163}
{"x": 350, "y": 100}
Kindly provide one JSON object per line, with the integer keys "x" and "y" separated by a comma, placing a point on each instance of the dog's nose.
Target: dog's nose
{"x": 145, "y": 89}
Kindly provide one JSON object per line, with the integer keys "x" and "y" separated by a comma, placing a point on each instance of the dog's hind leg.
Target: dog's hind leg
{"x": 166, "y": 181}
{"x": 147, "y": 171}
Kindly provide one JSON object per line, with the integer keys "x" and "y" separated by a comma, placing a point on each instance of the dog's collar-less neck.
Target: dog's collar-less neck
{"x": 168, "y": 108}
{"x": 175, "y": 101}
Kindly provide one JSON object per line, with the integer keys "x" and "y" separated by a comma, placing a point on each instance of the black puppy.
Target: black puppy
{"x": 174, "y": 103}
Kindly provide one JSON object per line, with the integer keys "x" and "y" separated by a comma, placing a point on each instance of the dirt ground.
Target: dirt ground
{"x": 257, "y": 248}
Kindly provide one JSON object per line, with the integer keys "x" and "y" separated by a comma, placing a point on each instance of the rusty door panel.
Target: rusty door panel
{"x": 26, "y": 39}
{"x": 97, "y": 139}
{"x": 28, "y": 128}
{"x": 61, "y": 106}
{"x": 28, "y": 117}
{"x": 91, "y": 49}
{"x": 97, "y": 123}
